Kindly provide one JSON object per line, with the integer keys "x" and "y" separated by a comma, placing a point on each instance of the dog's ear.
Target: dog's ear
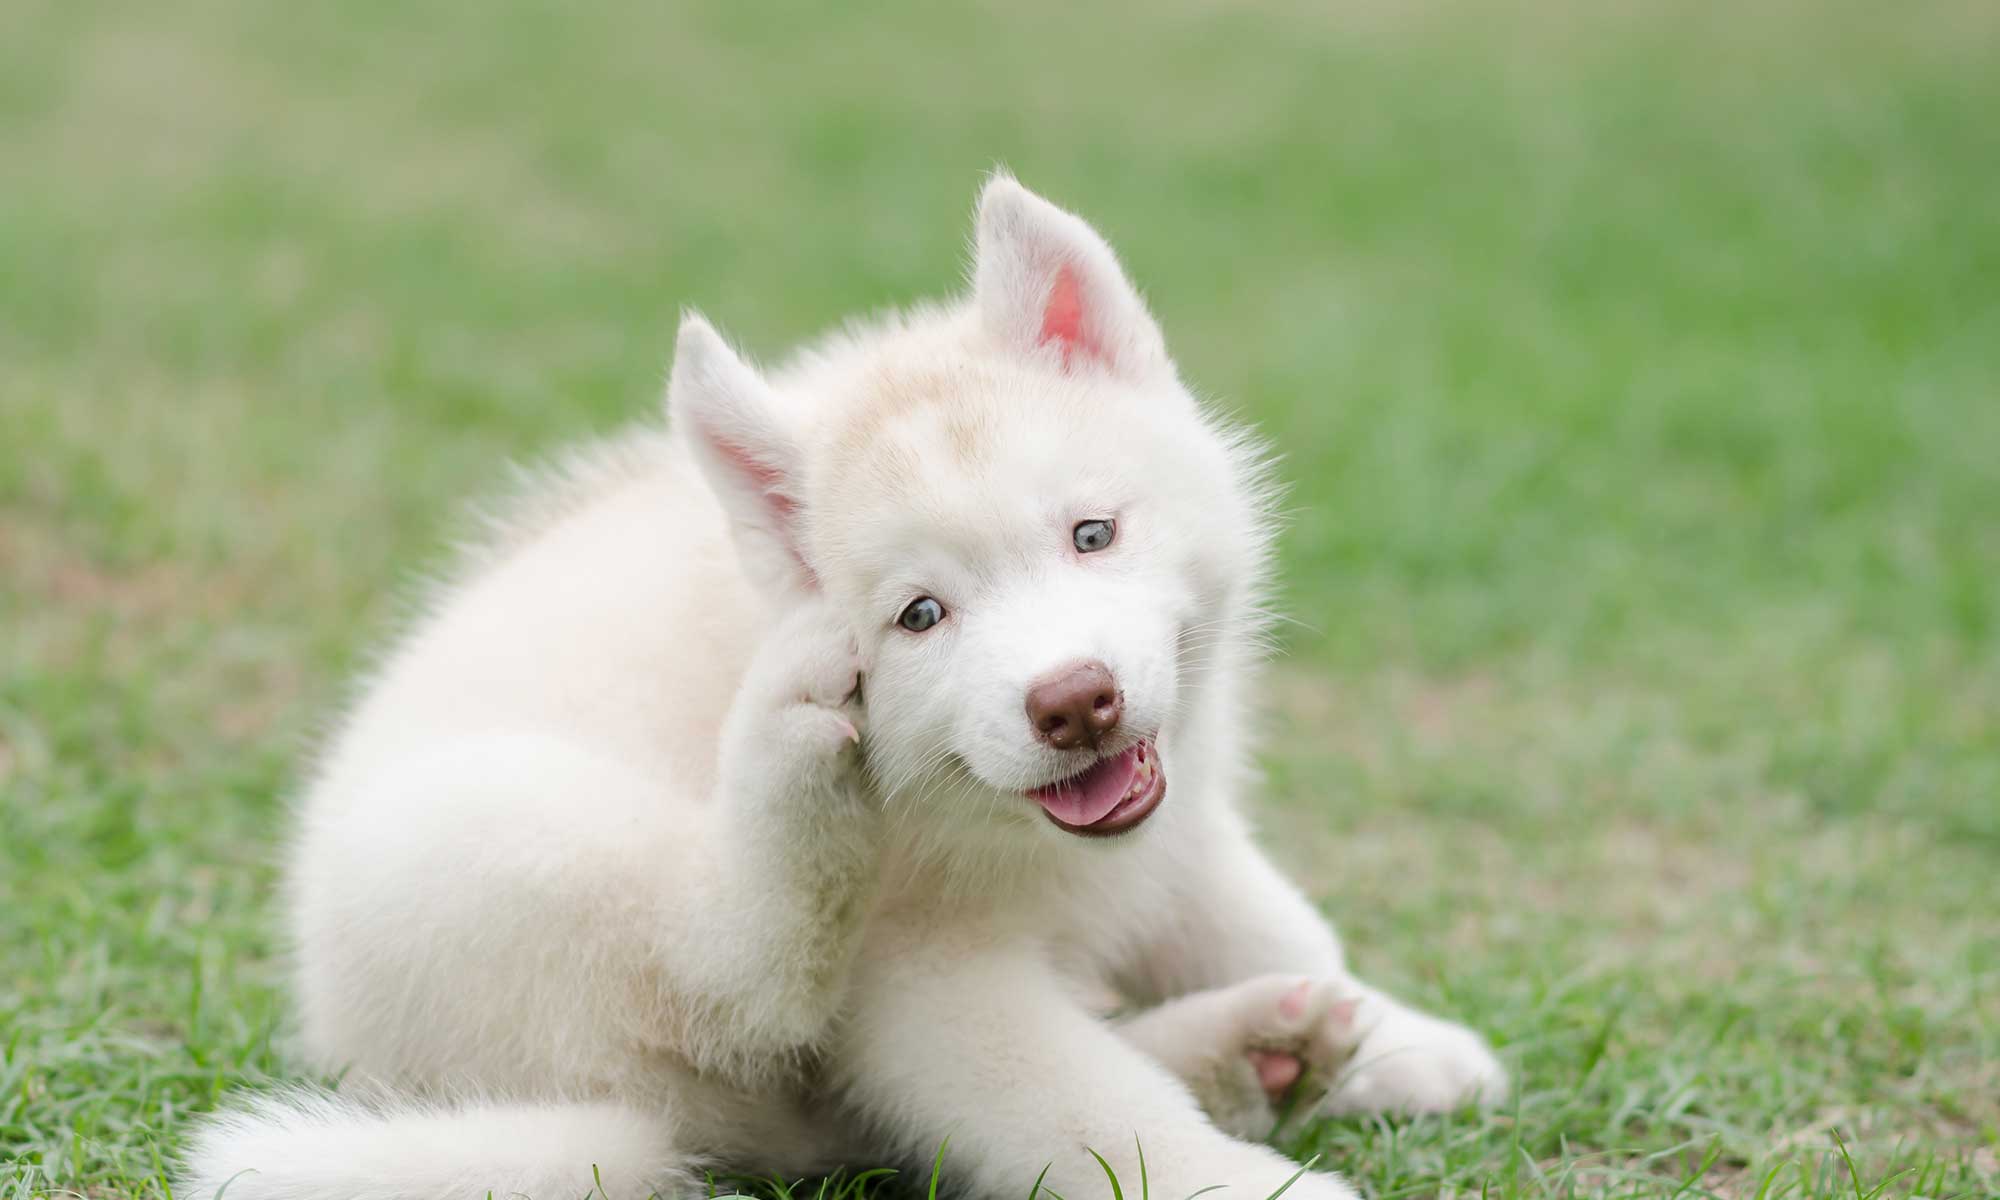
{"x": 1043, "y": 277}
{"x": 737, "y": 429}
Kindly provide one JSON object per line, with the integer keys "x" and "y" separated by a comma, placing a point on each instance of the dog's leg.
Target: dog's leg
{"x": 1240, "y": 918}
{"x": 765, "y": 936}
{"x": 988, "y": 1048}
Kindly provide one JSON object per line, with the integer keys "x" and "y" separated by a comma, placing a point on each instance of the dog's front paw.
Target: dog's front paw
{"x": 1410, "y": 1062}
{"x": 798, "y": 711}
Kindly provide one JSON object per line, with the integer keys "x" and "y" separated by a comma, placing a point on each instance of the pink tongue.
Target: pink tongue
{"x": 1089, "y": 798}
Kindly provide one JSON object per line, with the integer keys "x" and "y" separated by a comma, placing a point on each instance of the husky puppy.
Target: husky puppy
{"x": 790, "y": 787}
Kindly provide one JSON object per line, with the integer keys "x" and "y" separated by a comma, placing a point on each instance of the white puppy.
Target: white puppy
{"x": 786, "y": 788}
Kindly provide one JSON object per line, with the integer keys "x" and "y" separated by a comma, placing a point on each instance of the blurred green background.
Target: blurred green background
{"x": 1636, "y": 368}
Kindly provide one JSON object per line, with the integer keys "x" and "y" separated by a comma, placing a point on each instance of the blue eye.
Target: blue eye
{"x": 922, "y": 613}
{"x": 1090, "y": 536}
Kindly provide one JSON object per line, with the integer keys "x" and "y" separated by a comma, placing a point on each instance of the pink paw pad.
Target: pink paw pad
{"x": 1276, "y": 1070}
{"x": 1305, "y": 1012}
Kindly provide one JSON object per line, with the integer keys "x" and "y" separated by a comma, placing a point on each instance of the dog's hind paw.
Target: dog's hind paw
{"x": 1412, "y": 1062}
{"x": 1254, "y": 1051}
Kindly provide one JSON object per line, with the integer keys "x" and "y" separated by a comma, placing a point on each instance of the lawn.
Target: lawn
{"x": 1636, "y": 367}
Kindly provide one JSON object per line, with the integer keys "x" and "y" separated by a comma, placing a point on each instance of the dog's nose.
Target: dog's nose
{"x": 1075, "y": 705}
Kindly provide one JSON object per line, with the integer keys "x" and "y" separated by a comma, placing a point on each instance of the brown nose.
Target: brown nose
{"x": 1075, "y": 705}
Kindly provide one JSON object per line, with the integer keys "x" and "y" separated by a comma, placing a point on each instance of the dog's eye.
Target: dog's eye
{"x": 1093, "y": 535}
{"x": 922, "y": 613}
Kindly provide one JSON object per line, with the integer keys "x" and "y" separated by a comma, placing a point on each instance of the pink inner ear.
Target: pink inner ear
{"x": 1062, "y": 317}
{"x": 767, "y": 479}
{"x": 769, "y": 483}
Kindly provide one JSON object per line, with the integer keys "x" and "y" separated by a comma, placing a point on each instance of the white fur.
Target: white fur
{"x": 598, "y": 846}
{"x": 328, "y": 1147}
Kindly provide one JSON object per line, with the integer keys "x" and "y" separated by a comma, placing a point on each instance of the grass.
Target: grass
{"x": 1637, "y": 367}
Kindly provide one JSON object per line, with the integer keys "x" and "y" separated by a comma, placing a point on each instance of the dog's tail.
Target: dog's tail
{"x": 304, "y": 1145}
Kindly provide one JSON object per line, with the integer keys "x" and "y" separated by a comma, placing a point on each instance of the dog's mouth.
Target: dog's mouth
{"x": 1110, "y": 796}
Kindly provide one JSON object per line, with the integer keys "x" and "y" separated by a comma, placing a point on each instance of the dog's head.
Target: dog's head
{"x": 1046, "y": 548}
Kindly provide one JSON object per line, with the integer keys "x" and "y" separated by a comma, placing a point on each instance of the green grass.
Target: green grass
{"x": 1637, "y": 367}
